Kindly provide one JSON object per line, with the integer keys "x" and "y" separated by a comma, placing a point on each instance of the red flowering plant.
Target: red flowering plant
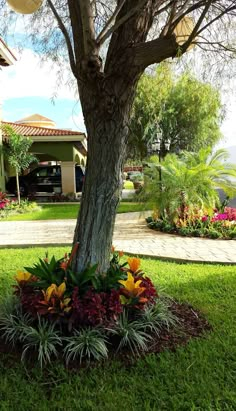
{"x": 4, "y": 201}
{"x": 52, "y": 290}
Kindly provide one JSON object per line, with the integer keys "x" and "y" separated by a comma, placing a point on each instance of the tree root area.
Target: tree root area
{"x": 190, "y": 324}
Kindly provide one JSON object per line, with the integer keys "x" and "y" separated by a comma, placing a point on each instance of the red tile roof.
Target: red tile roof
{"x": 28, "y": 131}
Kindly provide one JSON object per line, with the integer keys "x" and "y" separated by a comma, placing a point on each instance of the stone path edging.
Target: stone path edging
{"x": 131, "y": 235}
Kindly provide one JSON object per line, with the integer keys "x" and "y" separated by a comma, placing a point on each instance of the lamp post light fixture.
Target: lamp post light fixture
{"x": 155, "y": 147}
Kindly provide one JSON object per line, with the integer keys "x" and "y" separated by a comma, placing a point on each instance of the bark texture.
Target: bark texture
{"x": 106, "y": 94}
{"x": 106, "y": 109}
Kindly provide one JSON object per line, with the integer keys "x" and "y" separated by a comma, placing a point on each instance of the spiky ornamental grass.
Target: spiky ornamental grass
{"x": 157, "y": 316}
{"x": 44, "y": 339}
{"x": 13, "y": 322}
{"x": 87, "y": 343}
{"x": 131, "y": 334}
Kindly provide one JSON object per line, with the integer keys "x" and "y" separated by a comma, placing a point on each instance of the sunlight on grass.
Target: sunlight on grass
{"x": 200, "y": 376}
{"x": 67, "y": 211}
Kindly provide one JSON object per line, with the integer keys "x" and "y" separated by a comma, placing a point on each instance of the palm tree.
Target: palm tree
{"x": 188, "y": 180}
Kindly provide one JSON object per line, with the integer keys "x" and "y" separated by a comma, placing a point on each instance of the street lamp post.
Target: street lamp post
{"x": 156, "y": 147}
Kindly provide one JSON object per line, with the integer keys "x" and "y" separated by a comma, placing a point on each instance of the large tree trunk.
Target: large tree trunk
{"x": 106, "y": 113}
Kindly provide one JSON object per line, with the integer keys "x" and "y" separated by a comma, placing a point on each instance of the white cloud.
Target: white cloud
{"x": 28, "y": 78}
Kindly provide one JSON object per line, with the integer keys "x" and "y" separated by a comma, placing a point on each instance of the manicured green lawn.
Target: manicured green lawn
{"x": 66, "y": 211}
{"x": 198, "y": 377}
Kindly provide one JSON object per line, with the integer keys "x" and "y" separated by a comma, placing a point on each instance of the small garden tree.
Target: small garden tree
{"x": 187, "y": 111}
{"x": 17, "y": 153}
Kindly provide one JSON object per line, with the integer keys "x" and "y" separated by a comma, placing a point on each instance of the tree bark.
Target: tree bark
{"x": 106, "y": 109}
{"x": 18, "y": 187}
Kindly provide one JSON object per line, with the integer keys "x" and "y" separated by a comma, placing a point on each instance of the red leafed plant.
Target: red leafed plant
{"x": 95, "y": 308}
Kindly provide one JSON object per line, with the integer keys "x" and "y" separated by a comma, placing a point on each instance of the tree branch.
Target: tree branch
{"x": 197, "y": 25}
{"x": 109, "y": 22}
{"x": 87, "y": 27}
{"x": 216, "y": 18}
{"x": 154, "y": 51}
{"x": 66, "y": 36}
{"x": 122, "y": 20}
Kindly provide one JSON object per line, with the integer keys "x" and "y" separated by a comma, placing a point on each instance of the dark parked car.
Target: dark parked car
{"x": 44, "y": 179}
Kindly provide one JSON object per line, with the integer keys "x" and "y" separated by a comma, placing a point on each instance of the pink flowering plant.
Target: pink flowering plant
{"x": 4, "y": 201}
{"x": 10, "y": 206}
{"x": 200, "y": 223}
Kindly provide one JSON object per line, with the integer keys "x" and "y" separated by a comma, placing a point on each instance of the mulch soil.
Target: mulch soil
{"x": 190, "y": 324}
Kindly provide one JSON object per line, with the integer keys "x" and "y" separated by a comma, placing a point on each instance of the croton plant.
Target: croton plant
{"x": 51, "y": 289}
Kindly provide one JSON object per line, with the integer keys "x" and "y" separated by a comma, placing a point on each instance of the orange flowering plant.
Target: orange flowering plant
{"x": 61, "y": 305}
{"x": 50, "y": 288}
{"x": 54, "y": 301}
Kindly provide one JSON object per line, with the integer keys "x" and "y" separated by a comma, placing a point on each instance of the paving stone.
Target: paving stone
{"x": 130, "y": 235}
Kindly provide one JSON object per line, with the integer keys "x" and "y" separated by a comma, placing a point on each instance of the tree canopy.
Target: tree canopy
{"x": 185, "y": 110}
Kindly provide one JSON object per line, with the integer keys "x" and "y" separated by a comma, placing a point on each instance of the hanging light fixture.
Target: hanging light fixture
{"x": 25, "y": 6}
{"x": 183, "y": 30}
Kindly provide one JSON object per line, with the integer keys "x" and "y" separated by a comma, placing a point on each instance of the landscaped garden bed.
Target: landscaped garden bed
{"x": 10, "y": 207}
{"x": 54, "y": 312}
{"x": 197, "y": 224}
{"x": 197, "y": 375}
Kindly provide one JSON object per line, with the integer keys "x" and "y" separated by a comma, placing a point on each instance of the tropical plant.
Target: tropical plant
{"x": 89, "y": 343}
{"x": 157, "y": 316}
{"x": 189, "y": 180}
{"x": 195, "y": 223}
{"x": 44, "y": 316}
{"x": 13, "y": 321}
{"x": 44, "y": 339}
{"x": 17, "y": 153}
{"x": 131, "y": 334}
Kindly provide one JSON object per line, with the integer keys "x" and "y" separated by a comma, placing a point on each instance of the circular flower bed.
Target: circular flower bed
{"x": 219, "y": 225}
{"x": 89, "y": 316}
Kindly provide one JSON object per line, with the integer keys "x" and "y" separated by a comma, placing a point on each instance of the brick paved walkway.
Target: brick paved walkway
{"x": 131, "y": 235}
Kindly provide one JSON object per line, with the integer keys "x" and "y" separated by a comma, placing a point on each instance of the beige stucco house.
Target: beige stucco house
{"x": 6, "y": 59}
{"x": 67, "y": 147}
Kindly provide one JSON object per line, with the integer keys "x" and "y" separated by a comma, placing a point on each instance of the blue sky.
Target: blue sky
{"x": 65, "y": 112}
{"x": 28, "y": 87}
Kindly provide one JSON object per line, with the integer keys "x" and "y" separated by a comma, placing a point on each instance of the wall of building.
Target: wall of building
{"x": 2, "y": 174}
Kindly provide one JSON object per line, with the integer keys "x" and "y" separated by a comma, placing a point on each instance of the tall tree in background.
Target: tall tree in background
{"x": 110, "y": 44}
{"x": 185, "y": 110}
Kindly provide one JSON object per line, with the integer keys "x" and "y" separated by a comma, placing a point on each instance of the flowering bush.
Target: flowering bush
{"x": 4, "y": 201}
{"x": 200, "y": 224}
{"x": 11, "y": 206}
{"x": 81, "y": 315}
{"x": 51, "y": 289}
